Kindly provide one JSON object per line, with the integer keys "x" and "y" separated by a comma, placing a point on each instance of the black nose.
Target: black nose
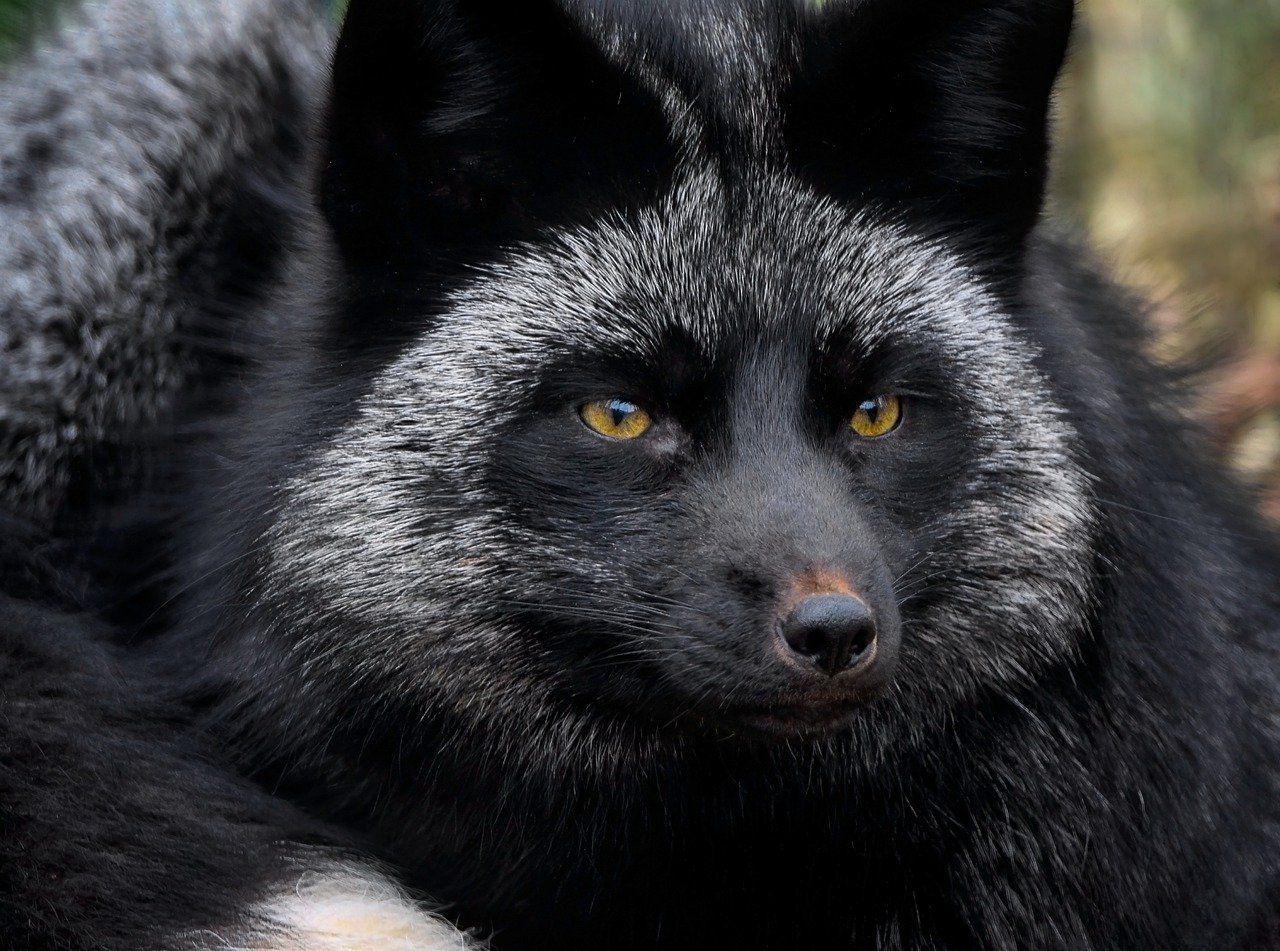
{"x": 832, "y": 632}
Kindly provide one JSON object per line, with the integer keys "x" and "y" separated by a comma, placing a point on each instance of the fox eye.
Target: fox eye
{"x": 616, "y": 419}
{"x": 877, "y": 417}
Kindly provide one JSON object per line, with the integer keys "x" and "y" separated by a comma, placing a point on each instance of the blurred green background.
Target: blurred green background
{"x": 1168, "y": 162}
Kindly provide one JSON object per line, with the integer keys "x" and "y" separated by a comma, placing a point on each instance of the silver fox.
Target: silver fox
{"x": 637, "y": 474}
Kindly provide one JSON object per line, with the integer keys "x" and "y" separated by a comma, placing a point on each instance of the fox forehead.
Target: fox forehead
{"x": 787, "y": 261}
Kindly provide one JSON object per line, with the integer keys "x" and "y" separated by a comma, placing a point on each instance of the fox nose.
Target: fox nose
{"x": 832, "y": 632}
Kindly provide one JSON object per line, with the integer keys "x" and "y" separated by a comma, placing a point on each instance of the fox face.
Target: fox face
{"x": 651, "y": 401}
{"x": 721, "y": 470}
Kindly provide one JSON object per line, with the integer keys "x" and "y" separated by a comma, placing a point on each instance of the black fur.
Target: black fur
{"x": 537, "y": 671}
{"x": 118, "y": 828}
{"x": 957, "y": 94}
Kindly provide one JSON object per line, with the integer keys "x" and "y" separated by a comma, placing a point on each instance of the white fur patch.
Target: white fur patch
{"x": 343, "y": 908}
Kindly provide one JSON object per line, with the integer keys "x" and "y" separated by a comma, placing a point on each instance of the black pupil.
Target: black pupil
{"x": 872, "y": 408}
{"x": 620, "y": 410}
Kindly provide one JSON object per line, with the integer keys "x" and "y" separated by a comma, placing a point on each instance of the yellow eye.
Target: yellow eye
{"x": 877, "y": 417}
{"x": 616, "y": 419}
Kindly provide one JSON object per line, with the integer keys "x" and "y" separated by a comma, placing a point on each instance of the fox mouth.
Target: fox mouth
{"x": 800, "y": 718}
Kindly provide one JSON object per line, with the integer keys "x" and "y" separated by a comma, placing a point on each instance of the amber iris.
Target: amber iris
{"x": 877, "y": 417}
{"x": 617, "y": 419}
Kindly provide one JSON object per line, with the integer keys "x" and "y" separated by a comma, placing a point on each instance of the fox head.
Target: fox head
{"x": 668, "y": 378}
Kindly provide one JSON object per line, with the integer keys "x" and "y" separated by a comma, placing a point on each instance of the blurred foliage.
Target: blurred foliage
{"x": 1169, "y": 163}
{"x": 18, "y": 19}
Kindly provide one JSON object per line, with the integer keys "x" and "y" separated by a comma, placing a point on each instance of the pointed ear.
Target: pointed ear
{"x": 457, "y": 123}
{"x": 937, "y": 106}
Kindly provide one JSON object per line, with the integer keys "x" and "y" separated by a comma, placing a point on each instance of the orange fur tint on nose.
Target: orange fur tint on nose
{"x": 818, "y": 581}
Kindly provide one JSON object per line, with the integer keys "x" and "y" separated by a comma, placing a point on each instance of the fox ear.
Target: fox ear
{"x": 457, "y": 122}
{"x": 937, "y": 106}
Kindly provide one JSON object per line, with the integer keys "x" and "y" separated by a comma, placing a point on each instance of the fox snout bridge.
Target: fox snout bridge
{"x": 831, "y": 633}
